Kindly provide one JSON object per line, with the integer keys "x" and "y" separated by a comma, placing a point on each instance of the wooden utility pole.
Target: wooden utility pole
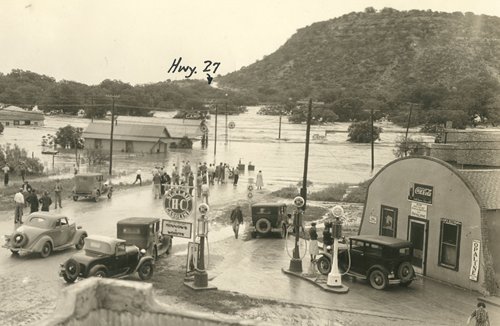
{"x": 407, "y": 128}
{"x": 303, "y": 191}
{"x": 372, "y": 138}
{"x": 215, "y": 136}
{"x": 111, "y": 135}
{"x": 279, "y": 130}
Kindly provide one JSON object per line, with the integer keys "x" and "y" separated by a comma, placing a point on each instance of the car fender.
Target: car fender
{"x": 38, "y": 244}
{"x": 77, "y": 235}
{"x": 142, "y": 261}
{"x": 382, "y": 268}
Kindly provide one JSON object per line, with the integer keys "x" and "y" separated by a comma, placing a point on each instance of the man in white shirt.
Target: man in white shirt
{"x": 19, "y": 199}
{"x": 138, "y": 178}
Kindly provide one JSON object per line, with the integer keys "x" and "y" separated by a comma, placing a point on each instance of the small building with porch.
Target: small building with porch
{"x": 452, "y": 217}
{"x": 16, "y": 116}
{"x": 127, "y": 137}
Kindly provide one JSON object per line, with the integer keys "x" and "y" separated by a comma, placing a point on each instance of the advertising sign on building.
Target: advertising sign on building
{"x": 178, "y": 203}
{"x": 177, "y": 228}
{"x": 418, "y": 210}
{"x": 421, "y": 193}
{"x": 474, "y": 268}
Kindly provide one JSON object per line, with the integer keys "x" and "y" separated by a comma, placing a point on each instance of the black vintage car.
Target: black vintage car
{"x": 268, "y": 218}
{"x": 381, "y": 260}
{"x": 145, "y": 233}
{"x": 107, "y": 257}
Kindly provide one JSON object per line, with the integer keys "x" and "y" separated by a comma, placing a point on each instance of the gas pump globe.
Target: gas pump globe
{"x": 334, "y": 278}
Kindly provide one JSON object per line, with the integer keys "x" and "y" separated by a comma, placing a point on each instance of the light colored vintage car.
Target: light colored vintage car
{"x": 43, "y": 233}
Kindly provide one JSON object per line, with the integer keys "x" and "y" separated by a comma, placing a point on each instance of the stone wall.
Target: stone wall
{"x": 123, "y": 303}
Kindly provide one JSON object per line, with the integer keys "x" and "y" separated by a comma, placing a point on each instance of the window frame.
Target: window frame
{"x": 458, "y": 238}
{"x": 394, "y": 220}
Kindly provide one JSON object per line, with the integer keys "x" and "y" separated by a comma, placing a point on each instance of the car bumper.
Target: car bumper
{"x": 19, "y": 250}
{"x": 272, "y": 230}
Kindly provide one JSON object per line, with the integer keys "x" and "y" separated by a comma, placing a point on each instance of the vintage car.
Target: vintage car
{"x": 107, "y": 257}
{"x": 91, "y": 185}
{"x": 381, "y": 260}
{"x": 43, "y": 233}
{"x": 145, "y": 233}
{"x": 268, "y": 218}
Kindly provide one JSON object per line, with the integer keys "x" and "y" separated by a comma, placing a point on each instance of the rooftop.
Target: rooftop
{"x": 139, "y": 220}
{"x": 14, "y": 112}
{"x": 383, "y": 240}
{"x": 145, "y": 132}
{"x": 486, "y": 183}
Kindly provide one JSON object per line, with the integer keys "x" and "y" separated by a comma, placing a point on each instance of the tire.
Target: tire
{"x": 75, "y": 198}
{"x": 46, "y": 250}
{"x": 81, "y": 242}
{"x": 110, "y": 194}
{"x": 14, "y": 252}
{"x": 263, "y": 225}
{"x": 146, "y": 270}
{"x": 324, "y": 265}
{"x": 378, "y": 279}
{"x": 253, "y": 235}
{"x": 71, "y": 270}
{"x": 98, "y": 271}
{"x": 19, "y": 239}
{"x": 405, "y": 272}
{"x": 283, "y": 232}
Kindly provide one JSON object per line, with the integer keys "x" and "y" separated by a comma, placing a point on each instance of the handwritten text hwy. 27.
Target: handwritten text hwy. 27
{"x": 210, "y": 67}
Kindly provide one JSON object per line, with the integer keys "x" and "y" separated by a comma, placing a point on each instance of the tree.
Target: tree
{"x": 69, "y": 136}
{"x": 408, "y": 146}
{"x": 360, "y": 132}
{"x": 15, "y": 156}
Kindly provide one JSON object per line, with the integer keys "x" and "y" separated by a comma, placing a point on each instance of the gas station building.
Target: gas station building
{"x": 452, "y": 217}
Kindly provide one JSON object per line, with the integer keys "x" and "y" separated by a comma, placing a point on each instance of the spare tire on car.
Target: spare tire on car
{"x": 71, "y": 270}
{"x": 405, "y": 272}
{"x": 19, "y": 239}
{"x": 263, "y": 225}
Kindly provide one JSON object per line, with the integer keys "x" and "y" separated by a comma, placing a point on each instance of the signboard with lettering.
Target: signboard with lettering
{"x": 421, "y": 193}
{"x": 372, "y": 219}
{"x": 474, "y": 268}
{"x": 418, "y": 210}
{"x": 178, "y": 203}
{"x": 177, "y": 228}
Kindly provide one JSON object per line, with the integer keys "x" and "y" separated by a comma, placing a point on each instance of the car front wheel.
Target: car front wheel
{"x": 97, "y": 272}
{"x": 324, "y": 265}
{"x": 378, "y": 279}
{"x": 146, "y": 270}
{"x": 81, "y": 242}
{"x": 46, "y": 250}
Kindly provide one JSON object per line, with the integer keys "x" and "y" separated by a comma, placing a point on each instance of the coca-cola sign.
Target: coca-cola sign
{"x": 421, "y": 193}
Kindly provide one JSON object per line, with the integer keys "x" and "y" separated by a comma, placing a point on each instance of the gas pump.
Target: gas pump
{"x": 201, "y": 276}
{"x": 334, "y": 277}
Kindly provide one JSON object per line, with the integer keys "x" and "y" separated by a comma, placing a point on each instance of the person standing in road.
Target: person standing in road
{"x": 313, "y": 242}
{"x": 138, "y": 177}
{"x": 46, "y": 201}
{"x": 23, "y": 171}
{"x": 480, "y": 315}
{"x": 33, "y": 201}
{"x": 191, "y": 182}
{"x": 58, "y": 193}
{"x": 327, "y": 236}
{"x": 156, "y": 185}
{"x": 259, "y": 183}
{"x": 236, "y": 176}
{"x": 19, "y": 200}
{"x": 6, "y": 171}
{"x": 236, "y": 219}
{"x": 205, "y": 192}
{"x": 75, "y": 169}
{"x": 26, "y": 191}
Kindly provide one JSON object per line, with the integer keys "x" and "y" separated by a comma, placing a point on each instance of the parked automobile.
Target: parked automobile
{"x": 268, "y": 218}
{"x": 43, "y": 233}
{"x": 107, "y": 257}
{"x": 91, "y": 185}
{"x": 381, "y": 260}
{"x": 145, "y": 233}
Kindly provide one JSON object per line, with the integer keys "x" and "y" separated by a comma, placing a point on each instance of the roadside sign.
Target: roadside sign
{"x": 298, "y": 201}
{"x": 250, "y": 187}
{"x": 177, "y": 228}
{"x": 250, "y": 195}
{"x": 231, "y": 125}
{"x": 178, "y": 203}
{"x": 203, "y": 128}
{"x": 203, "y": 208}
{"x": 338, "y": 211}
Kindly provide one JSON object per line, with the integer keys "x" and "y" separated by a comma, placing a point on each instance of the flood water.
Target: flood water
{"x": 255, "y": 138}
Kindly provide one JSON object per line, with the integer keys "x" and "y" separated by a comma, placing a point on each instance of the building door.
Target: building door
{"x": 417, "y": 235}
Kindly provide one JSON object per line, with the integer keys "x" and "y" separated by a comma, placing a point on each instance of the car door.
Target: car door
{"x": 120, "y": 262}
{"x": 60, "y": 232}
{"x": 357, "y": 256}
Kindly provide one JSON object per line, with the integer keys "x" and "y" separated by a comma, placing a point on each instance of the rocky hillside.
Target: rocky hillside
{"x": 392, "y": 56}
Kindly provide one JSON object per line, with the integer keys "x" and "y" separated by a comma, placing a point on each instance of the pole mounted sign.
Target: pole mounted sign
{"x": 178, "y": 203}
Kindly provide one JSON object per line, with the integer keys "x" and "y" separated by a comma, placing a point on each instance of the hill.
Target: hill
{"x": 438, "y": 61}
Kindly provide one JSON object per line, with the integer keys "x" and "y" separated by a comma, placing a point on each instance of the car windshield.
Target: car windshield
{"x": 98, "y": 246}
{"x": 39, "y": 222}
{"x": 131, "y": 230}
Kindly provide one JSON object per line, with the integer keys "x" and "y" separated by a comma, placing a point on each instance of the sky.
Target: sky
{"x": 137, "y": 41}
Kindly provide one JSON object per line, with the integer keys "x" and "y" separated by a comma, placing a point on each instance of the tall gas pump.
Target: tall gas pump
{"x": 334, "y": 278}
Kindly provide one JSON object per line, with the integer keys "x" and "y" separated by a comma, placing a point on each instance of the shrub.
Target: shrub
{"x": 358, "y": 195}
{"x": 15, "y": 156}
{"x": 360, "y": 132}
{"x": 185, "y": 142}
{"x": 289, "y": 192}
{"x": 332, "y": 193}
{"x": 408, "y": 147}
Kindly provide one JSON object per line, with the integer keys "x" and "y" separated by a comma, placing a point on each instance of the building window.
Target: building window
{"x": 449, "y": 248}
{"x": 27, "y": 122}
{"x": 97, "y": 143}
{"x": 7, "y": 123}
{"x": 16, "y": 122}
{"x": 388, "y": 221}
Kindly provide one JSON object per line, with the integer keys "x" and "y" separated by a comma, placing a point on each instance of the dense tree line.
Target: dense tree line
{"x": 27, "y": 89}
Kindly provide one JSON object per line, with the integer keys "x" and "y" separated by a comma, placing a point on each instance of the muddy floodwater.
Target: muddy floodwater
{"x": 254, "y": 138}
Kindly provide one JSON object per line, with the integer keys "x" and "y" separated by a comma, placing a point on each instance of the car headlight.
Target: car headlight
{"x": 328, "y": 247}
{"x": 143, "y": 251}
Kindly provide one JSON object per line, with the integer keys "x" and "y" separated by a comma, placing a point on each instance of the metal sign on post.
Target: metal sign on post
{"x": 177, "y": 228}
{"x": 298, "y": 201}
{"x": 231, "y": 125}
{"x": 178, "y": 203}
